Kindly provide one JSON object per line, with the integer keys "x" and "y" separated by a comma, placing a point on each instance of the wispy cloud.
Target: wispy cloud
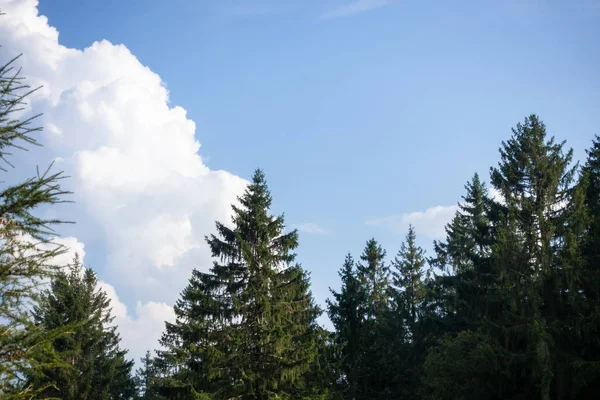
{"x": 309, "y": 227}
{"x": 355, "y": 7}
{"x": 430, "y": 222}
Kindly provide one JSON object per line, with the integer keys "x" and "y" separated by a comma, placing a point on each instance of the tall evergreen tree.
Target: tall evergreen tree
{"x": 247, "y": 328}
{"x": 373, "y": 274}
{"x": 347, "y": 312}
{"x": 519, "y": 308}
{"x": 146, "y": 379}
{"x": 408, "y": 279}
{"x": 26, "y": 247}
{"x": 535, "y": 179}
{"x": 466, "y": 251}
{"x": 587, "y": 341}
{"x": 409, "y": 276}
{"x": 98, "y": 368}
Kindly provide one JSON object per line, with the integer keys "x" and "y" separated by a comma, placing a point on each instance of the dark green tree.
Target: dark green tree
{"x": 535, "y": 177}
{"x": 409, "y": 274}
{"x": 374, "y": 275}
{"x": 587, "y": 339}
{"x": 466, "y": 366}
{"x": 247, "y": 328}
{"x": 516, "y": 285}
{"x": 98, "y": 368}
{"x": 466, "y": 255}
{"x": 146, "y": 379}
{"x": 347, "y": 311}
{"x": 27, "y": 249}
{"x": 409, "y": 278}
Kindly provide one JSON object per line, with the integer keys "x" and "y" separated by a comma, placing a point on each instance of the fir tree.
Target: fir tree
{"x": 466, "y": 251}
{"x": 26, "y": 247}
{"x": 98, "y": 368}
{"x": 534, "y": 177}
{"x": 146, "y": 379}
{"x": 374, "y": 274}
{"x": 347, "y": 311}
{"x": 409, "y": 294}
{"x": 586, "y": 343}
{"x": 408, "y": 279}
{"x": 246, "y": 328}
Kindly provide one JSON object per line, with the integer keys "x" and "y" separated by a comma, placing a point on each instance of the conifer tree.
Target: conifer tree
{"x": 347, "y": 312}
{"x": 409, "y": 294}
{"x": 146, "y": 379}
{"x": 98, "y": 368}
{"x": 247, "y": 328}
{"x": 535, "y": 178}
{"x": 373, "y": 274}
{"x": 466, "y": 252}
{"x": 587, "y": 340}
{"x": 521, "y": 309}
{"x": 26, "y": 247}
{"x": 408, "y": 279}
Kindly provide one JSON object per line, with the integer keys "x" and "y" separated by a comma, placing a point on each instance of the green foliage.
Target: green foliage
{"x": 98, "y": 368}
{"x": 509, "y": 310}
{"x": 408, "y": 280}
{"x": 464, "y": 367}
{"x": 347, "y": 311}
{"x": 26, "y": 249}
{"x": 247, "y": 327}
{"x": 146, "y": 379}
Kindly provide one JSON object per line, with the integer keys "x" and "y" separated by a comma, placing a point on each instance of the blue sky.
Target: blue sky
{"x": 358, "y": 111}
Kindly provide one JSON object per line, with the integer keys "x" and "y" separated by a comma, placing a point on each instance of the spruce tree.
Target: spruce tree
{"x": 247, "y": 328}
{"x": 515, "y": 288}
{"x": 26, "y": 247}
{"x": 586, "y": 342}
{"x": 146, "y": 379}
{"x": 408, "y": 279}
{"x": 465, "y": 252}
{"x": 373, "y": 274}
{"x": 409, "y": 276}
{"x": 347, "y": 312}
{"x": 535, "y": 178}
{"x": 98, "y": 368}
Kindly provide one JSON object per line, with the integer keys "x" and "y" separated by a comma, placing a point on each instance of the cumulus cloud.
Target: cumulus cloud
{"x": 355, "y": 7}
{"x": 133, "y": 159}
{"x": 141, "y": 333}
{"x": 430, "y": 222}
{"x": 495, "y": 195}
{"x": 310, "y": 227}
{"x": 72, "y": 246}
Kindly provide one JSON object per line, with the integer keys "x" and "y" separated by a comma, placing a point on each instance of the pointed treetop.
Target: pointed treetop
{"x": 257, "y": 194}
{"x": 259, "y": 177}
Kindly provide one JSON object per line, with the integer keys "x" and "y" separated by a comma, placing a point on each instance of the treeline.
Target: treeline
{"x": 507, "y": 306}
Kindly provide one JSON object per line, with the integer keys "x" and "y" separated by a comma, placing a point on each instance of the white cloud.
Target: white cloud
{"x": 136, "y": 173}
{"x": 495, "y": 195}
{"x": 430, "y": 222}
{"x": 141, "y": 333}
{"x": 310, "y": 227}
{"x": 355, "y": 7}
{"x": 72, "y": 246}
